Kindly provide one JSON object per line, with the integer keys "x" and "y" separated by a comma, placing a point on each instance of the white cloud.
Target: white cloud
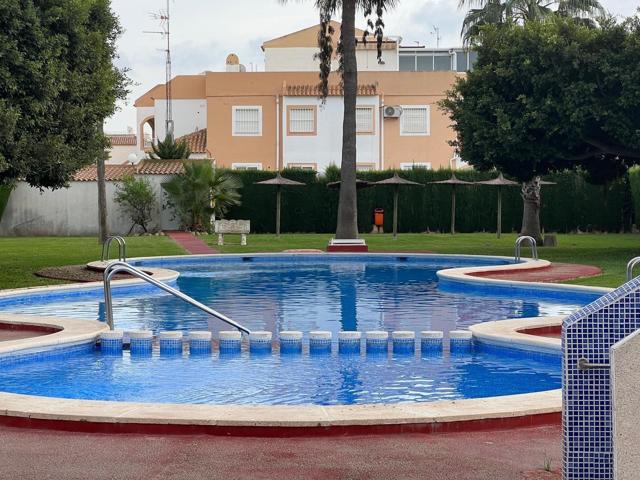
{"x": 205, "y": 31}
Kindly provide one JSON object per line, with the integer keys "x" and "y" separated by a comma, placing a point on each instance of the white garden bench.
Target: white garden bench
{"x": 242, "y": 227}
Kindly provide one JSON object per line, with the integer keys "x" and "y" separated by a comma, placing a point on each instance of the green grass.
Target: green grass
{"x": 611, "y": 252}
{"x": 20, "y": 257}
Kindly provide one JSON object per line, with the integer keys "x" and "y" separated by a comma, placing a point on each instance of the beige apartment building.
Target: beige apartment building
{"x": 275, "y": 119}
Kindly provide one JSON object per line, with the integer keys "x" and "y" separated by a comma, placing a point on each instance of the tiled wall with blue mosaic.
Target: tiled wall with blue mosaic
{"x": 587, "y": 418}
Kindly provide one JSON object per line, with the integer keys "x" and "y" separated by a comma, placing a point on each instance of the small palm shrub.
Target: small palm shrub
{"x": 170, "y": 149}
{"x": 201, "y": 193}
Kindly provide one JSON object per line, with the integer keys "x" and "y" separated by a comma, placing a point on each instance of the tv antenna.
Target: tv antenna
{"x": 436, "y": 32}
{"x": 163, "y": 17}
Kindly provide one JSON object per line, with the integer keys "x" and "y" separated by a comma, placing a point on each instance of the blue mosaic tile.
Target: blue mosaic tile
{"x": 587, "y": 416}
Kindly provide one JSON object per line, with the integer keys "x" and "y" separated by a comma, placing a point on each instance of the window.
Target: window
{"x": 303, "y": 166}
{"x": 247, "y": 121}
{"x": 442, "y": 63}
{"x": 407, "y": 63}
{"x": 302, "y": 119}
{"x": 364, "y": 118}
{"x": 364, "y": 167}
{"x": 412, "y": 165}
{"x": 414, "y": 120}
{"x": 246, "y": 166}
{"x": 424, "y": 63}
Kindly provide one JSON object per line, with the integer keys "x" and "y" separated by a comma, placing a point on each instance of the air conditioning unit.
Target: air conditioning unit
{"x": 392, "y": 111}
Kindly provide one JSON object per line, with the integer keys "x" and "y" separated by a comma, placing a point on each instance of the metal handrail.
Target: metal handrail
{"x": 532, "y": 242}
{"x": 122, "y": 248}
{"x": 630, "y": 266}
{"x": 584, "y": 364}
{"x": 119, "y": 266}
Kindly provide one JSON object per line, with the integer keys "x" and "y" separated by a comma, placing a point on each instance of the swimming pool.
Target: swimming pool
{"x": 297, "y": 292}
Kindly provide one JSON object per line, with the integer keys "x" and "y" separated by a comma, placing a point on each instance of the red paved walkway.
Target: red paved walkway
{"x": 556, "y": 272}
{"x": 495, "y": 455}
{"x": 190, "y": 242}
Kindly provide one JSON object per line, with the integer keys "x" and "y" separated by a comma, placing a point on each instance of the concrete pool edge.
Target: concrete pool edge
{"x": 485, "y": 413}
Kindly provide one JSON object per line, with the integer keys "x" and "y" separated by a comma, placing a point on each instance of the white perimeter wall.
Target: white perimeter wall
{"x": 73, "y": 211}
{"x": 325, "y": 148}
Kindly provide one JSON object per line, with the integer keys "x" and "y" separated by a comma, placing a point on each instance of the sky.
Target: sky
{"x": 204, "y": 32}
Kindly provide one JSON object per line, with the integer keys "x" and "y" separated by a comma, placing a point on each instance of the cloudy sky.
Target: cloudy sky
{"x": 205, "y": 31}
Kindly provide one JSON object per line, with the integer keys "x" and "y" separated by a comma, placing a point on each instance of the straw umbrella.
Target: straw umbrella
{"x": 453, "y": 181}
{"x": 360, "y": 184}
{"x": 499, "y": 182}
{"x": 397, "y": 182}
{"x": 279, "y": 181}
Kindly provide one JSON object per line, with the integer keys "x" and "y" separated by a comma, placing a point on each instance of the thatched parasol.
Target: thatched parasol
{"x": 499, "y": 182}
{"x": 453, "y": 181}
{"x": 397, "y": 182}
{"x": 360, "y": 184}
{"x": 279, "y": 181}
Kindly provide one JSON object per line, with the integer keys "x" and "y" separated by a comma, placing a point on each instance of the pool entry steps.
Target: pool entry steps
{"x": 141, "y": 342}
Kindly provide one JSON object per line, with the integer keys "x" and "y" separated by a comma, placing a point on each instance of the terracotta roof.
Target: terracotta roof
{"x": 334, "y": 90}
{"x": 122, "y": 139}
{"x": 115, "y": 173}
{"x": 112, "y": 173}
{"x": 160, "y": 167}
{"x": 197, "y": 140}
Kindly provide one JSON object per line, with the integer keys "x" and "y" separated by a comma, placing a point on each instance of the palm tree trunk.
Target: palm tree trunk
{"x": 102, "y": 196}
{"x": 348, "y": 205}
{"x": 531, "y": 212}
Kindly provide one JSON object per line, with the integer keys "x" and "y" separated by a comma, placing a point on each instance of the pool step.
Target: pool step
{"x": 141, "y": 342}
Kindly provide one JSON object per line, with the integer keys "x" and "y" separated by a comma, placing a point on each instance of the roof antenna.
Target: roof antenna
{"x": 164, "y": 17}
{"x": 436, "y": 32}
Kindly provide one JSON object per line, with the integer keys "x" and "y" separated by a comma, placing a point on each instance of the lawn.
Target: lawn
{"x": 21, "y": 257}
{"x": 611, "y": 252}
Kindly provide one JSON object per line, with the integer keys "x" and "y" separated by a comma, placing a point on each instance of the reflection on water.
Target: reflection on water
{"x": 308, "y": 296}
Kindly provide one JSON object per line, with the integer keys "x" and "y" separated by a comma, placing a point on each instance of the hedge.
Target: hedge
{"x": 572, "y": 204}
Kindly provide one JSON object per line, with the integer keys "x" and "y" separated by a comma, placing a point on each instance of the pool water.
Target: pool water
{"x": 287, "y": 379}
{"x": 307, "y": 294}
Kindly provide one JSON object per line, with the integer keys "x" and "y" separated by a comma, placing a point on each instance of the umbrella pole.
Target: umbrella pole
{"x": 395, "y": 211}
{"x": 499, "y": 229}
{"x": 453, "y": 209}
{"x": 278, "y": 194}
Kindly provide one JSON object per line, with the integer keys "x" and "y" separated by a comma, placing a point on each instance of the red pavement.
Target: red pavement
{"x": 190, "y": 242}
{"x": 496, "y": 455}
{"x": 556, "y": 272}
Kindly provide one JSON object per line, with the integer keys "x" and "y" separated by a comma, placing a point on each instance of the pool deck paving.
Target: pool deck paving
{"x": 191, "y": 243}
{"x": 518, "y": 454}
{"x": 556, "y": 272}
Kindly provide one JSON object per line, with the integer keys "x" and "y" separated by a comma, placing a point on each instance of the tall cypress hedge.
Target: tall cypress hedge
{"x": 570, "y": 205}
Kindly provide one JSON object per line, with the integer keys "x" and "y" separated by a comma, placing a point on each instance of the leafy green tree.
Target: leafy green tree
{"x": 200, "y": 192}
{"x": 347, "y": 225}
{"x": 547, "y": 97}
{"x": 496, "y": 12}
{"x": 170, "y": 149}
{"x": 137, "y": 200}
{"x": 57, "y": 85}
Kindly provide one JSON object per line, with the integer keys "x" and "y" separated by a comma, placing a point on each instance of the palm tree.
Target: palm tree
{"x": 492, "y": 12}
{"x": 200, "y": 192}
{"x": 347, "y": 225}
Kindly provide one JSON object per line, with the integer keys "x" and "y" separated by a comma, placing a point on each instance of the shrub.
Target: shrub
{"x": 137, "y": 200}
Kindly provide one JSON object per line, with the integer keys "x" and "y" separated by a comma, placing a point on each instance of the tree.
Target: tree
{"x": 547, "y": 97}
{"x": 200, "y": 192}
{"x": 137, "y": 200}
{"x": 347, "y": 223}
{"x": 57, "y": 85}
{"x": 170, "y": 149}
{"x": 495, "y": 12}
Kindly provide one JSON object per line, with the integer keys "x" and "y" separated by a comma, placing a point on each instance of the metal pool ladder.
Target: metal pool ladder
{"x": 120, "y": 266}
{"x": 630, "y": 266}
{"x": 532, "y": 242}
{"x": 122, "y": 248}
